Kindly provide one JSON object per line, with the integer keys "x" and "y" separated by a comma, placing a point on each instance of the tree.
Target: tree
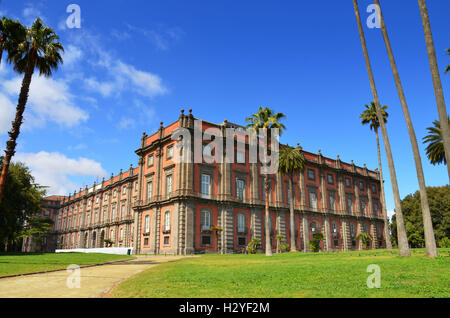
{"x": 20, "y": 206}
{"x": 439, "y": 198}
{"x": 364, "y": 238}
{"x": 436, "y": 80}
{"x": 39, "y": 48}
{"x": 291, "y": 162}
{"x": 429, "y": 233}
{"x": 369, "y": 116}
{"x": 435, "y": 148}
{"x": 403, "y": 242}
{"x": 36, "y": 228}
{"x": 11, "y": 33}
{"x": 448, "y": 66}
{"x": 266, "y": 118}
{"x": 314, "y": 244}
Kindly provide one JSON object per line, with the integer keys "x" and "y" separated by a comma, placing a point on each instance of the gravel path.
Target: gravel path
{"x": 94, "y": 281}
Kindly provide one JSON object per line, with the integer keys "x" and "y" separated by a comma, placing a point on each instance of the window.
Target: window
{"x": 150, "y": 160}
{"x": 375, "y": 207}
{"x": 106, "y": 196}
{"x": 312, "y": 199}
{"x": 111, "y": 237}
{"x": 105, "y": 213}
{"x": 46, "y": 213}
{"x": 335, "y": 233}
{"x": 374, "y": 189}
{"x": 146, "y": 241}
{"x": 348, "y": 182}
{"x": 349, "y": 205}
{"x": 207, "y": 151}
{"x": 147, "y": 224}
{"x": 353, "y": 234}
{"x": 288, "y": 193}
{"x": 361, "y": 185}
{"x": 96, "y": 199}
{"x": 89, "y": 203}
{"x": 206, "y": 185}
{"x": 314, "y": 228}
{"x": 206, "y": 240}
{"x": 124, "y": 189}
{"x": 363, "y": 206}
{"x": 311, "y": 174}
{"x": 166, "y": 240}
{"x": 330, "y": 179}
{"x": 240, "y": 157}
{"x": 121, "y": 234}
{"x": 242, "y": 241}
{"x": 115, "y": 193}
{"x": 169, "y": 152}
{"x": 366, "y": 228}
{"x": 149, "y": 190}
{"x": 167, "y": 221}
{"x": 240, "y": 189}
{"x": 113, "y": 213}
{"x": 241, "y": 223}
{"x": 122, "y": 211}
{"x": 205, "y": 220}
{"x": 332, "y": 200}
{"x": 168, "y": 184}
{"x": 96, "y": 216}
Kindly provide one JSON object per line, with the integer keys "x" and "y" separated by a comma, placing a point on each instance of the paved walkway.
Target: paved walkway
{"x": 95, "y": 281}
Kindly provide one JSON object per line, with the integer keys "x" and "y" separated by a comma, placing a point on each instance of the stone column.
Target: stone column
{"x": 345, "y": 233}
{"x": 305, "y": 233}
{"x": 357, "y": 201}
{"x": 327, "y": 234}
{"x": 189, "y": 246}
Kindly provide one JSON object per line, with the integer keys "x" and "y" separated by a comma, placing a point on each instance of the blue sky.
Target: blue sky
{"x": 133, "y": 64}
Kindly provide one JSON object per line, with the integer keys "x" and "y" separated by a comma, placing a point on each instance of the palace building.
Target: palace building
{"x": 166, "y": 206}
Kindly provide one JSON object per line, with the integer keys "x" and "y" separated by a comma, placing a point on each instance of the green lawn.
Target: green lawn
{"x": 341, "y": 274}
{"x": 22, "y": 263}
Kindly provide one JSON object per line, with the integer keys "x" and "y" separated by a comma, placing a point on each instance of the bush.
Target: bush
{"x": 314, "y": 244}
{"x": 253, "y": 246}
{"x": 284, "y": 247}
{"x": 444, "y": 243}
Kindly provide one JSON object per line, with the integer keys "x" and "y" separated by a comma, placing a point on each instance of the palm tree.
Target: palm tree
{"x": 436, "y": 80}
{"x": 448, "y": 66}
{"x": 369, "y": 116}
{"x": 435, "y": 148}
{"x": 39, "y": 48}
{"x": 291, "y": 162}
{"x": 430, "y": 242}
{"x": 266, "y": 118}
{"x": 11, "y": 32}
{"x": 402, "y": 238}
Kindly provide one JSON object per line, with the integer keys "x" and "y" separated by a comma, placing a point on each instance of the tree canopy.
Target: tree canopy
{"x": 439, "y": 200}
{"x": 21, "y": 205}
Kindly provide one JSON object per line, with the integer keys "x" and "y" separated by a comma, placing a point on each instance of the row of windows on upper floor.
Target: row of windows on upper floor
{"x": 88, "y": 218}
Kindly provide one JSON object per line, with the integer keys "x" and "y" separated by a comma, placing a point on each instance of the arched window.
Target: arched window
{"x": 205, "y": 220}
{"x": 335, "y": 233}
{"x": 352, "y": 230}
{"x": 314, "y": 227}
{"x": 167, "y": 221}
{"x": 366, "y": 228}
{"x": 111, "y": 236}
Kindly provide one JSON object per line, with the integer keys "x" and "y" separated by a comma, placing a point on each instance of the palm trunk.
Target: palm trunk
{"x": 383, "y": 199}
{"x": 402, "y": 239}
{"x": 445, "y": 129}
{"x": 14, "y": 133}
{"x": 430, "y": 242}
{"x": 291, "y": 217}
{"x": 266, "y": 221}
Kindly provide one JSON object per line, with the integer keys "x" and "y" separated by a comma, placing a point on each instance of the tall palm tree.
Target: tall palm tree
{"x": 430, "y": 242}
{"x": 435, "y": 148}
{"x": 8, "y": 34}
{"x": 266, "y": 118}
{"x": 39, "y": 48}
{"x": 436, "y": 80}
{"x": 291, "y": 162}
{"x": 402, "y": 238}
{"x": 369, "y": 116}
{"x": 448, "y": 66}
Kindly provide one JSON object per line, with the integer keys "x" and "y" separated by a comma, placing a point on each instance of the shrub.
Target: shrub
{"x": 253, "y": 246}
{"x": 314, "y": 244}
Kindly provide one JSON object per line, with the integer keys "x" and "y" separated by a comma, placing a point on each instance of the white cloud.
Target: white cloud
{"x": 30, "y": 13}
{"x": 49, "y": 100}
{"x": 7, "y": 111}
{"x": 71, "y": 55}
{"x": 54, "y": 169}
{"x": 126, "y": 123}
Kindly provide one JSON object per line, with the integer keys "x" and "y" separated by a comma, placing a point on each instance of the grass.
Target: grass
{"x": 296, "y": 274}
{"x": 24, "y": 263}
